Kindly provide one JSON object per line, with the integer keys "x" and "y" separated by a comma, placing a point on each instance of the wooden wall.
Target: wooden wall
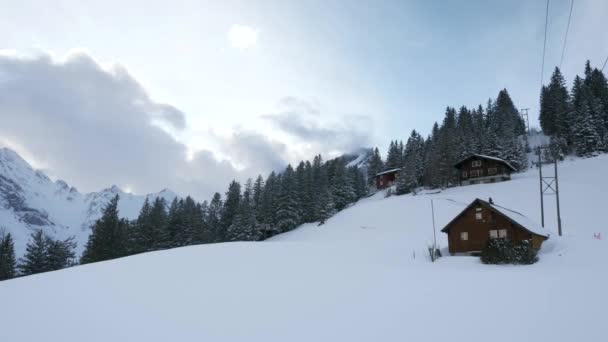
{"x": 479, "y": 231}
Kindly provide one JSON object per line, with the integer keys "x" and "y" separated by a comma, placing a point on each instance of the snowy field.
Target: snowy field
{"x": 363, "y": 276}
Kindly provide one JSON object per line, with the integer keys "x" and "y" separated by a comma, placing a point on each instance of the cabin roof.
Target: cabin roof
{"x": 516, "y": 218}
{"x": 388, "y": 171}
{"x": 483, "y": 156}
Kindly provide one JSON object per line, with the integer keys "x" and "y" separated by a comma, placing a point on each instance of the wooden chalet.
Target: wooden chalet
{"x": 386, "y": 178}
{"x": 480, "y": 221}
{"x": 478, "y": 169}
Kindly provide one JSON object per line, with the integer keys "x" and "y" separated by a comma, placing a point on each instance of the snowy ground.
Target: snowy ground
{"x": 363, "y": 276}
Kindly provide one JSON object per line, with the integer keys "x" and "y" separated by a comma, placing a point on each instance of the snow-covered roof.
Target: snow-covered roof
{"x": 388, "y": 171}
{"x": 483, "y": 156}
{"x": 522, "y": 220}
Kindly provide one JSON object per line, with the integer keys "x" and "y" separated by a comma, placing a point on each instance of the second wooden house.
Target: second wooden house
{"x": 478, "y": 169}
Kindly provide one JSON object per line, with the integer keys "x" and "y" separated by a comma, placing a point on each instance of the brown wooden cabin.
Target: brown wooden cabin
{"x": 478, "y": 169}
{"x": 386, "y": 178}
{"x": 470, "y": 230}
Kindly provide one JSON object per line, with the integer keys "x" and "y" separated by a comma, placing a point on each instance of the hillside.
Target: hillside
{"x": 363, "y": 276}
{"x": 30, "y": 200}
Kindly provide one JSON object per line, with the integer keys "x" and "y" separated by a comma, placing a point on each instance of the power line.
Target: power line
{"x": 566, "y": 35}
{"x": 604, "y": 64}
{"x": 542, "y": 68}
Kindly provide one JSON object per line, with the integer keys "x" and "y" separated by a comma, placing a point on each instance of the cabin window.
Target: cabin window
{"x": 492, "y": 171}
{"x": 494, "y": 234}
{"x": 479, "y": 216}
{"x": 502, "y": 233}
{"x": 476, "y": 163}
{"x": 464, "y": 236}
{"x": 464, "y": 174}
{"x": 475, "y": 173}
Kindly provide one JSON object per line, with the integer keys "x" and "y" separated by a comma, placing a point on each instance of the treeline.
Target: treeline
{"x": 576, "y": 119}
{"x": 257, "y": 210}
{"x": 43, "y": 254}
{"x": 495, "y": 130}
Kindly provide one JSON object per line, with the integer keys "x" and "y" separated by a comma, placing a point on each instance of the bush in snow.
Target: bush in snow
{"x": 524, "y": 254}
{"x": 502, "y": 251}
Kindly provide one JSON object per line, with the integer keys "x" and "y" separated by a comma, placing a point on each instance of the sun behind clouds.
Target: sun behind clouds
{"x": 242, "y": 36}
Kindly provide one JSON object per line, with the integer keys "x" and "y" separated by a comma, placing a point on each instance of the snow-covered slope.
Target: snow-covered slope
{"x": 363, "y": 276}
{"x": 30, "y": 200}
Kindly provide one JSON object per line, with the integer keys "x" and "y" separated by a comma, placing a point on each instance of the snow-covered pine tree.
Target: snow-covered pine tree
{"x": 303, "y": 194}
{"x": 326, "y": 207}
{"x": 231, "y": 207}
{"x": 8, "y": 261}
{"x": 258, "y": 191}
{"x": 287, "y": 209}
{"x": 245, "y": 226}
{"x": 586, "y": 139}
{"x": 375, "y": 166}
{"x": 342, "y": 190}
{"x": 268, "y": 204}
{"x": 554, "y": 107}
{"x": 214, "y": 216}
{"x": 394, "y": 156}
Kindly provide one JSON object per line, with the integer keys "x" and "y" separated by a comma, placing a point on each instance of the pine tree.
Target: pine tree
{"x": 325, "y": 207}
{"x": 375, "y": 166}
{"x": 302, "y": 192}
{"x": 159, "y": 235}
{"x": 231, "y": 207}
{"x": 342, "y": 189}
{"x": 8, "y": 262}
{"x": 141, "y": 238}
{"x": 60, "y": 253}
{"x": 245, "y": 226}
{"x": 214, "y": 217}
{"x": 287, "y": 210}
{"x": 258, "y": 192}
{"x": 554, "y": 107}
{"x": 586, "y": 138}
{"x": 107, "y": 239}
{"x": 394, "y": 156}
{"x": 176, "y": 226}
{"x": 268, "y": 201}
{"x": 35, "y": 259}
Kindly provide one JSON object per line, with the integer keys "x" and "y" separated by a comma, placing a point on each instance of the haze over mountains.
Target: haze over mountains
{"x": 29, "y": 200}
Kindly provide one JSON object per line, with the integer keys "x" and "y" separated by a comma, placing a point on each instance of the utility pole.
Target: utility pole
{"x": 434, "y": 234}
{"x": 559, "y": 217}
{"x": 540, "y": 173}
{"x": 549, "y": 186}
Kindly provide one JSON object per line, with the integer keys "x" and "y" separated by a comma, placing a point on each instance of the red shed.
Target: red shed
{"x": 386, "y": 178}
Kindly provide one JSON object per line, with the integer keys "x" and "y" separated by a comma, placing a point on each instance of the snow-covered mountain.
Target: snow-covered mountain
{"x": 364, "y": 275}
{"x": 31, "y": 200}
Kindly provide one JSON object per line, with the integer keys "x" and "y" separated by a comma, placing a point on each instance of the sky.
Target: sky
{"x": 189, "y": 95}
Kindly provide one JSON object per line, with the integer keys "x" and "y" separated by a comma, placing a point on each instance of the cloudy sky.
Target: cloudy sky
{"x": 191, "y": 94}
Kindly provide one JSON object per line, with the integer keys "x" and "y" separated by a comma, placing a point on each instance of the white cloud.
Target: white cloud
{"x": 242, "y": 36}
{"x": 95, "y": 126}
